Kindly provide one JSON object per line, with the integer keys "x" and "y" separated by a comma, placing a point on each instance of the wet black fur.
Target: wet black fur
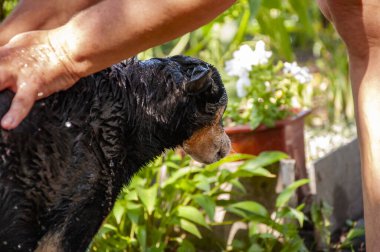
{"x": 60, "y": 179}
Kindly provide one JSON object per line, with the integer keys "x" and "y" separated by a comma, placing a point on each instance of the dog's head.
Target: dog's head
{"x": 208, "y": 141}
{"x": 186, "y": 97}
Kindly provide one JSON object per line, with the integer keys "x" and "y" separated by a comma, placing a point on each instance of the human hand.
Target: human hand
{"x": 32, "y": 68}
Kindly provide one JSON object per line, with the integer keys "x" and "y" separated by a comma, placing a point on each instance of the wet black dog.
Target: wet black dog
{"x": 63, "y": 167}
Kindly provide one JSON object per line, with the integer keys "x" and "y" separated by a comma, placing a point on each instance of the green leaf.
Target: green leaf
{"x": 264, "y": 159}
{"x": 251, "y": 207}
{"x": 254, "y": 6}
{"x": 229, "y": 159}
{"x": 355, "y": 232}
{"x": 190, "y": 227}
{"x": 284, "y": 197}
{"x": 141, "y": 237}
{"x": 298, "y": 215}
{"x": 186, "y": 246}
{"x": 148, "y": 197}
{"x": 236, "y": 183}
{"x": 272, "y": 4}
{"x": 262, "y": 172}
{"x": 134, "y": 212}
{"x": 255, "y": 248}
{"x": 179, "y": 174}
{"x": 301, "y": 8}
{"x": 207, "y": 203}
{"x": 255, "y": 119}
{"x": 352, "y": 234}
{"x": 118, "y": 211}
{"x": 202, "y": 182}
{"x": 131, "y": 195}
{"x": 192, "y": 214}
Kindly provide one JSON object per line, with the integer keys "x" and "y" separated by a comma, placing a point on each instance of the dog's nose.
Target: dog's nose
{"x": 224, "y": 148}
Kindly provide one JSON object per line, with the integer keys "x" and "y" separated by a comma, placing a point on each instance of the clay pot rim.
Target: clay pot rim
{"x": 280, "y": 123}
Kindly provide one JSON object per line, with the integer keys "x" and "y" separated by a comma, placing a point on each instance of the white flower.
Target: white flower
{"x": 235, "y": 68}
{"x": 241, "y": 62}
{"x": 261, "y": 56}
{"x": 244, "y": 58}
{"x": 242, "y": 82}
{"x": 301, "y": 74}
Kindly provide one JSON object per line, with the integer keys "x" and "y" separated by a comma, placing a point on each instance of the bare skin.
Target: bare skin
{"x": 358, "y": 23}
{"x": 30, "y": 15}
{"x": 36, "y": 64}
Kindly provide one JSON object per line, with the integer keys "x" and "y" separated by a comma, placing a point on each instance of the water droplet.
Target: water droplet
{"x": 23, "y": 85}
{"x": 40, "y": 94}
{"x": 68, "y": 124}
{"x": 112, "y": 164}
{"x": 77, "y": 219}
{"x": 19, "y": 246}
{"x": 39, "y": 129}
{"x": 5, "y": 242}
{"x": 15, "y": 207}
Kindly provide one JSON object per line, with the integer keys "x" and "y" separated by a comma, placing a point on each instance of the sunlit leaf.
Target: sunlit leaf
{"x": 207, "y": 203}
{"x": 148, "y": 197}
{"x": 236, "y": 183}
{"x": 264, "y": 159}
{"x": 229, "y": 159}
{"x": 134, "y": 212}
{"x": 298, "y": 215}
{"x": 190, "y": 227}
{"x": 179, "y": 174}
{"x": 192, "y": 214}
{"x": 284, "y": 197}
{"x": 260, "y": 172}
{"x": 118, "y": 211}
{"x": 251, "y": 207}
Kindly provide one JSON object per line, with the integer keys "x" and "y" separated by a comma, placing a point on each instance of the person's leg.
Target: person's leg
{"x": 358, "y": 23}
{"x": 40, "y": 15}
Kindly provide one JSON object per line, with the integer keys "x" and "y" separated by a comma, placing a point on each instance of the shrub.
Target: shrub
{"x": 171, "y": 206}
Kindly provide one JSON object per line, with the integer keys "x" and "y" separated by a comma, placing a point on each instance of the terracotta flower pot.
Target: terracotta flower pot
{"x": 286, "y": 136}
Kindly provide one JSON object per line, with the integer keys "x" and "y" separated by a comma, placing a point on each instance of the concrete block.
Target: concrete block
{"x": 338, "y": 182}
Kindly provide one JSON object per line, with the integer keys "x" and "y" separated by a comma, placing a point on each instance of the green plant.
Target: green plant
{"x": 320, "y": 217}
{"x": 6, "y": 7}
{"x": 269, "y": 91}
{"x": 171, "y": 206}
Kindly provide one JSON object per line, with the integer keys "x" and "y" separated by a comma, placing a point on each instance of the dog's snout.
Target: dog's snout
{"x": 224, "y": 148}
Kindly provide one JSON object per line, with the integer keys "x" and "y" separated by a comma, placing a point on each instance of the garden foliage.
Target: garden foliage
{"x": 172, "y": 205}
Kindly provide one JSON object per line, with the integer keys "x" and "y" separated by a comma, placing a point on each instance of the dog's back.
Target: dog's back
{"x": 63, "y": 167}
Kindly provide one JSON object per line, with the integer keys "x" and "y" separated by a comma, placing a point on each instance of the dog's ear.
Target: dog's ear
{"x": 200, "y": 80}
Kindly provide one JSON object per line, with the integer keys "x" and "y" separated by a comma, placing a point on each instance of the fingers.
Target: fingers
{"x": 20, "y": 107}
{"x": 5, "y": 79}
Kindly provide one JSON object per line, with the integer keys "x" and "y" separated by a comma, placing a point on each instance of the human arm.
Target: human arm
{"x": 97, "y": 37}
{"x": 30, "y": 15}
